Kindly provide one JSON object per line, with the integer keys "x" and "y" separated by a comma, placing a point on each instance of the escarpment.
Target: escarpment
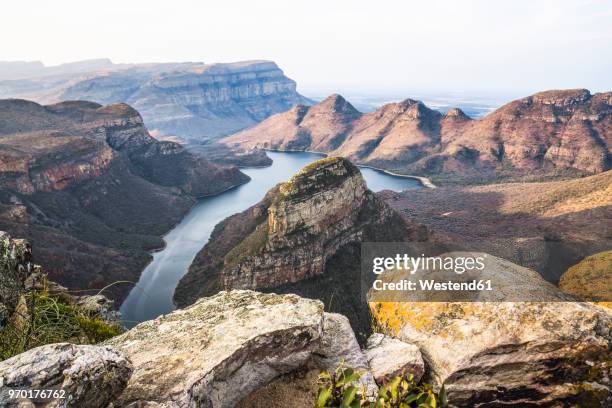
{"x": 90, "y": 187}
{"x": 303, "y": 237}
{"x": 549, "y": 134}
{"x": 191, "y": 101}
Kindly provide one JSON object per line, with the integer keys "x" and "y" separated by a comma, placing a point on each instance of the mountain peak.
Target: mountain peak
{"x": 337, "y": 104}
{"x": 321, "y": 175}
{"x": 456, "y": 113}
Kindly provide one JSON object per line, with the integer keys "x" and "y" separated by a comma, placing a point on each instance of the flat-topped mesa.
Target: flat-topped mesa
{"x": 187, "y": 100}
{"x": 563, "y": 97}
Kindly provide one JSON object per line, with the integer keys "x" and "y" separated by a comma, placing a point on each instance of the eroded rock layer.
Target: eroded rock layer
{"x": 190, "y": 101}
{"x": 92, "y": 190}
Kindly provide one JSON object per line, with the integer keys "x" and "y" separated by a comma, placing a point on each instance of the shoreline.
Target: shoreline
{"x": 425, "y": 182}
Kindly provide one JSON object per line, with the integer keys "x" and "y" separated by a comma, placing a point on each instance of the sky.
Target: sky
{"x": 377, "y": 46}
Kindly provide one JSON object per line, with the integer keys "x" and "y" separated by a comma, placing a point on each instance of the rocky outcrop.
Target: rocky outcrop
{"x": 93, "y": 190}
{"x": 303, "y": 230}
{"x": 192, "y": 101}
{"x": 220, "y": 349}
{"x": 15, "y": 267}
{"x": 549, "y": 133}
{"x": 90, "y": 376}
{"x": 546, "y": 352}
{"x": 339, "y": 348}
{"x": 389, "y": 357}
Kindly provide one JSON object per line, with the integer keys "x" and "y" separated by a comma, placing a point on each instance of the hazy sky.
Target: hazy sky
{"x": 336, "y": 45}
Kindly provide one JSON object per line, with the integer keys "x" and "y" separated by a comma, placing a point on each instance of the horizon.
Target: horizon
{"x": 472, "y": 47}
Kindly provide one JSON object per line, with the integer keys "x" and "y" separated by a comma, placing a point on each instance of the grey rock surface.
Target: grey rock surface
{"x": 219, "y": 350}
{"x": 91, "y": 376}
{"x": 339, "y": 347}
{"x": 389, "y": 357}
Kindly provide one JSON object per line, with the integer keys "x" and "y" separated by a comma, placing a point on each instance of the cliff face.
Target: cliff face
{"x": 304, "y": 230}
{"x": 192, "y": 101}
{"x": 92, "y": 189}
{"x": 549, "y": 133}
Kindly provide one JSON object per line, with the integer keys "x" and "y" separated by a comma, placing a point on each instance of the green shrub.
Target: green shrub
{"x": 338, "y": 390}
{"x": 50, "y": 319}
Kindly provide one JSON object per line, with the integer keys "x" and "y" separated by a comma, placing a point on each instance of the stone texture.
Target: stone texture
{"x": 552, "y": 132}
{"x": 15, "y": 267}
{"x": 389, "y": 357}
{"x": 339, "y": 347}
{"x": 92, "y": 376}
{"x": 549, "y": 352}
{"x": 219, "y": 350}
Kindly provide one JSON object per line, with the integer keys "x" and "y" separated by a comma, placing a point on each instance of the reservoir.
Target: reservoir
{"x": 152, "y": 296}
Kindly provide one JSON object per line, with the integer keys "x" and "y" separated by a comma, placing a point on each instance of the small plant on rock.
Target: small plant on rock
{"x": 338, "y": 390}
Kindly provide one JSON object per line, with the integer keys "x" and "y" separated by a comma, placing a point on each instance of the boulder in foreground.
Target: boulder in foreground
{"x": 91, "y": 376}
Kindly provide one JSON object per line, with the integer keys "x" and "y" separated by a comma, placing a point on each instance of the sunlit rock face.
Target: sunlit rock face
{"x": 540, "y": 353}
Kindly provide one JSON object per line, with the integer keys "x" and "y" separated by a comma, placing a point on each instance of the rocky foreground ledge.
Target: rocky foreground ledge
{"x": 212, "y": 354}
{"x": 220, "y": 351}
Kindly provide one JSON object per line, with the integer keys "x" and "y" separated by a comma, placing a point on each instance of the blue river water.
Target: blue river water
{"x": 152, "y": 296}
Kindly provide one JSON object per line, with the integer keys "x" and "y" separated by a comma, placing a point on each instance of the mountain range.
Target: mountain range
{"x": 190, "y": 101}
{"x": 551, "y": 133}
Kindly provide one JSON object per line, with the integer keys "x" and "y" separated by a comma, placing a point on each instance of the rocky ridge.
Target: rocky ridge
{"x": 90, "y": 187}
{"x": 552, "y": 133}
{"x": 191, "y": 101}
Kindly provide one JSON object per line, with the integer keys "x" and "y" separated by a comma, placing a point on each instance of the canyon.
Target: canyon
{"x": 90, "y": 187}
{"x": 303, "y": 238}
{"x": 551, "y": 134}
{"x": 189, "y": 102}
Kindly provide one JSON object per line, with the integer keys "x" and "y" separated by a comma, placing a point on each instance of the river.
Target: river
{"x": 152, "y": 296}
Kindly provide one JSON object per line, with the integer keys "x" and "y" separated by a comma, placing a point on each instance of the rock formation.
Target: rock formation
{"x": 549, "y": 133}
{"x": 192, "y": 101}
{"x": 389, "y": 357}
{"x": 15, "y": 267}
{"x": 90, "y": 376}
{"x": 304, "y": 230}
{"x": 93, "y": 190}
{"x": 590, "y": 279}
{"x": 221, "y": 349}
{"x": 548, "y": 352}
